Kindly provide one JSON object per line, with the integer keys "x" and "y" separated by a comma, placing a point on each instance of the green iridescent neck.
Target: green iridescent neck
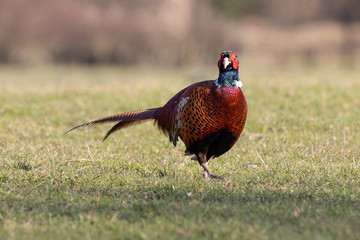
{"x": 228, "y": 77}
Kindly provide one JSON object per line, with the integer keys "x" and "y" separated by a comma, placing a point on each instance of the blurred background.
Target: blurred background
{"x": 177, "y": 33}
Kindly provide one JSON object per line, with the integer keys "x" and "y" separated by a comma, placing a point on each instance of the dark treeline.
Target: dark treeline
{"x": 173, "y": 32}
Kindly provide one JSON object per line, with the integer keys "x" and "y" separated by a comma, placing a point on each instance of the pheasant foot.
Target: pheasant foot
{"x": 208, "y": 174}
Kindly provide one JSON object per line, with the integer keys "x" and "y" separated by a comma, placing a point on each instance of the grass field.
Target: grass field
{"x": 293, "y": 174}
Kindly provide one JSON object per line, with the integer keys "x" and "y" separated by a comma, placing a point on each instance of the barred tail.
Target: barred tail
{"x": 123, "y": 119}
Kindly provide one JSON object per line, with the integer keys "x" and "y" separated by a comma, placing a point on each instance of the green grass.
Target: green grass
{"x": 293, "y": 174}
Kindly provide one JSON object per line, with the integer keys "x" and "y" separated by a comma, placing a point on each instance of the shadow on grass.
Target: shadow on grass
{"x": 212, "y": 200}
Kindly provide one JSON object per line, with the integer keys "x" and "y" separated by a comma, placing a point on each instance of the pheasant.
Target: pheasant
{"x": 208, "y": 116}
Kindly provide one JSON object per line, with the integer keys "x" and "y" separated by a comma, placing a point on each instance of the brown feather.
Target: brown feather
{"x": 123, "y": 119}
{"x": 122, "y": 124}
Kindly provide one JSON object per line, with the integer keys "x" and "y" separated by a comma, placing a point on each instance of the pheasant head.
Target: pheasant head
{"x": 228, "y": 70}
{"x": 228, "y": 61}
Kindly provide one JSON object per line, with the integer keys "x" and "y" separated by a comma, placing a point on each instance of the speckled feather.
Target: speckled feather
{"x": 208, "y": 111}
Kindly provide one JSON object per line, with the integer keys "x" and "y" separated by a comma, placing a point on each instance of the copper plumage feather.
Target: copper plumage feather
{"x": 123, "y": 119}
{"x": 208, "y": 116}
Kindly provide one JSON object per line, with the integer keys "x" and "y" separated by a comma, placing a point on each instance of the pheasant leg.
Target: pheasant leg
{"x": 203, "y": 162}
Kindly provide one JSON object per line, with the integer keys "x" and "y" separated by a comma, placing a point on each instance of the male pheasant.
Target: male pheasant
{"x": 208, "y": 116}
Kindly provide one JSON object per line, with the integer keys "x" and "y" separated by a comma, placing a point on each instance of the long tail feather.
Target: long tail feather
{"x": 122, "y": 124}
{"x": 123, "y": 119}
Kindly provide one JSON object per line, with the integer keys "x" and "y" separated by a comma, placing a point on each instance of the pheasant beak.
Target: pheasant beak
{"x": 226, "y": 62}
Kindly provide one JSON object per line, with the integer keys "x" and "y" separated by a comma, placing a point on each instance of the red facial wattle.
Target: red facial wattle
{"x": 232, "y": 58}
{"x": 220, "y": 60}
{"x": 234, "y": 61}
